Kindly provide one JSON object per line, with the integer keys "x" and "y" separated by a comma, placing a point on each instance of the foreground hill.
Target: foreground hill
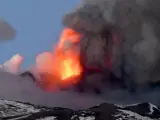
{"x": 11, "y": 110}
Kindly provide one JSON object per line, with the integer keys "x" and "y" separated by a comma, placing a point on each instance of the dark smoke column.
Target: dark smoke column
{"x": 7, "y": 32}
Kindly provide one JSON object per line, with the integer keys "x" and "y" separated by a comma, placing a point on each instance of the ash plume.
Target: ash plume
{"x": 86, "y": 19}
{"x": 90, "y": 22}
{"x": 96, "y": 44}
{"x": 137, "y": 22}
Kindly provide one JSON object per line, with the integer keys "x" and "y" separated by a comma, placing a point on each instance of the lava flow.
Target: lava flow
{"x": 63, "y": 65}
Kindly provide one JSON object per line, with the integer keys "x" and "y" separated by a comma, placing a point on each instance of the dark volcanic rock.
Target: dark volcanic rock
{"x": 11, "y": 110}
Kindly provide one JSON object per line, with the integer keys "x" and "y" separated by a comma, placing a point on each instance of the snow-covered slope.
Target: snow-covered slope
{"x": 10, "y": 110}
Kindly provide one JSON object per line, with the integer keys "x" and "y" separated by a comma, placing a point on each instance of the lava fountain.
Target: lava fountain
{"x": 61, "y": 67}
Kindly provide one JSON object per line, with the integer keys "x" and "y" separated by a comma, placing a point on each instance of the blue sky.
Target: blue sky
{"x": 37, "y": 23}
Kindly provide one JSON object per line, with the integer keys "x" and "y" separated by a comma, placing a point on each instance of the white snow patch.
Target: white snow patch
{"x": 87, "y": 118}
{"x": 74, "y": 116}
{"x": 151, "y": 106}
{"x": 128, "y": 114}
{"x": 20, "y": 117}
{"x": 48, "y": 118}
{"x": 29, "y": 108}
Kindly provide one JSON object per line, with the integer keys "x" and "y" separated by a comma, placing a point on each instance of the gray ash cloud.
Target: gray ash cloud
{"x": 135, "y": 21}
{"x": 138, "y": 22}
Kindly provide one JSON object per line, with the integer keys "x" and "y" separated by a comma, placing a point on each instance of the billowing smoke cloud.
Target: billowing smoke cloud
{"x": 96, "y": 42}
{"x": 94, "y": 18}
{"x": 86, "y": 19}
{"x": 14, "y": 87}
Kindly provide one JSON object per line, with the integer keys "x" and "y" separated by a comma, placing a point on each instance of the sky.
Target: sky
{"x": 37, "y": 24}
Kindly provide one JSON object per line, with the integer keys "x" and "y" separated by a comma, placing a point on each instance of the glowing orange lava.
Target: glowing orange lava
{"x": 62, "y": 66}
{"x": 66, "y": 56}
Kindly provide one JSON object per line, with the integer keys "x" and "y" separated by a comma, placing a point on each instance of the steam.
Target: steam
{"x": 44, "y": 62}
{"x": 13, "y": 64}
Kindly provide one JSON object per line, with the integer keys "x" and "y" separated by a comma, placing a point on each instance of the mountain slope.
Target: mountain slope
{"x": 11, "y": 110}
